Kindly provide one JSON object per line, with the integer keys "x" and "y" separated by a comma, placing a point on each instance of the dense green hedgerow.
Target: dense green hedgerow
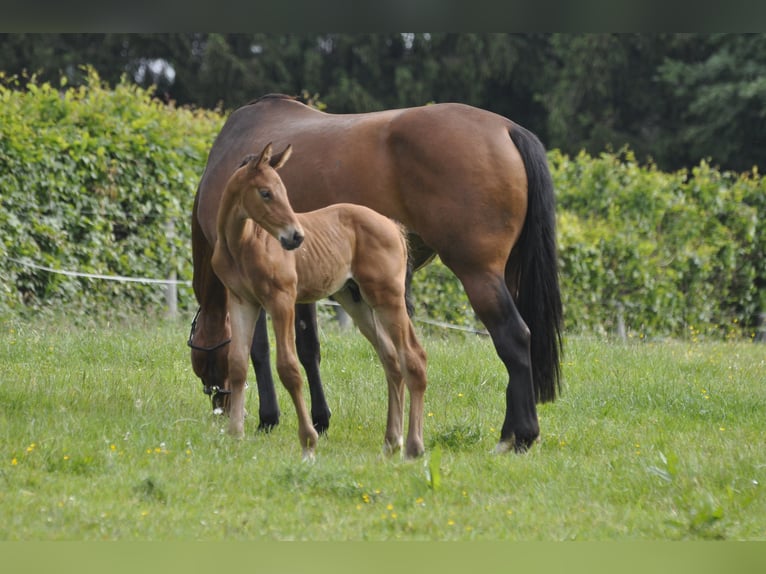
{"x": 91, "y": 177}
{"x": 669, "y": 252}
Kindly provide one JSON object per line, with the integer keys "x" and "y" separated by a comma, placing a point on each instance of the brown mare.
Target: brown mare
{"x": 468, "y": 184}
{"x": 320, "y": 253}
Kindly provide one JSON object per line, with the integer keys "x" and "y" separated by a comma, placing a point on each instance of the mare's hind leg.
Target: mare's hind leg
{"x": 243, "y": 317}
{"x": 268, "y": 408}
{"x": 494, "y": 305}
{"x": 307, "y": 343}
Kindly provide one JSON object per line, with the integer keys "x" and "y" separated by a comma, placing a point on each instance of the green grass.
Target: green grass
{"x": 106, "y": 435}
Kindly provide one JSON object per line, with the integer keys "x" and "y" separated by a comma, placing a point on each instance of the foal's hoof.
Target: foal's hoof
{"x": 308, "y": 457}
{"x": 414, "y": 452}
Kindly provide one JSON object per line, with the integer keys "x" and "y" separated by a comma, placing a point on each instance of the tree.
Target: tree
{"x": 718, "y": 84}
{"x": 672, "y": 98}
{"x": 602, "y": 93}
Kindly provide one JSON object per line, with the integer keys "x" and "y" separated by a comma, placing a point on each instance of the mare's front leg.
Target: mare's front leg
{"x": 268, "y": 407}
{"x": 243, "y": 317}
{"x": 283, "y": 319}
{"x": 307, "y": 343}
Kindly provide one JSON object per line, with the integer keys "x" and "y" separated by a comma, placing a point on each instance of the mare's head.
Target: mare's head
{"x": 264, "y": 197}
{"x": 209, "y": 342}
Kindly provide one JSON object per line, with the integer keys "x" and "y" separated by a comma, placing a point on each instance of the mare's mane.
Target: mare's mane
{"x": 273, "y": 97}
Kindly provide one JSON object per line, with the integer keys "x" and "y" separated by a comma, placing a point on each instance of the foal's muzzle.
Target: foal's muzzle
{"x": 291, "y": 240}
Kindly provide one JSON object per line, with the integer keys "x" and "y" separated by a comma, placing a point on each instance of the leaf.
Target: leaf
{"x": 433, "y": 472}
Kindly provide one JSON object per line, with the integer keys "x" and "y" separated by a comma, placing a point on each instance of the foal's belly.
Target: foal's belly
{"x": 320, "y": 277}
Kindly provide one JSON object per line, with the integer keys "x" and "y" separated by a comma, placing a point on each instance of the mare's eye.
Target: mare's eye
{"x": 265, "y": 194}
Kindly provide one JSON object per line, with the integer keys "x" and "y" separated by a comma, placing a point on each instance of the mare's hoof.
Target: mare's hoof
{"x": 321, "y": 422}
{"x": 268, "y": 424}
{"x": 517, "y": 445}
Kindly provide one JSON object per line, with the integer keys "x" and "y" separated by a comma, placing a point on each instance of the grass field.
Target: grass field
{"x": 106, "y": 435}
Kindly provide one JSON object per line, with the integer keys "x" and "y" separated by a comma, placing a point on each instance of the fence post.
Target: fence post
{"x": 760, "y": 330}
{"x": 171, "y": 289}
{"x": 622, "y": 331}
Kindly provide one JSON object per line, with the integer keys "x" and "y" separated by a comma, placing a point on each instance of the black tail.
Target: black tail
{"x": 539, "y": 297}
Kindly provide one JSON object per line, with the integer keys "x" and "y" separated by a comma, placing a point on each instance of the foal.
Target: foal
{"x": 351, "y": 253}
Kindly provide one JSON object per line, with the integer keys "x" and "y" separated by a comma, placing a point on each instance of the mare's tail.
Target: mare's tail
{"x": 539, "y": 296}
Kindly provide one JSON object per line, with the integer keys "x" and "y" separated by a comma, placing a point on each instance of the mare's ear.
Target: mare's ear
{"x": 264, "y": 158}
{"x": 280, "y": 159}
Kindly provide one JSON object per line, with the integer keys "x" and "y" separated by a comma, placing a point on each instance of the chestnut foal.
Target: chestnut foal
{"x": 269, "y": 257}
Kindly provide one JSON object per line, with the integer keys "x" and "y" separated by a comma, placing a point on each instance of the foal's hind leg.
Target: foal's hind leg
{"x": 395, "y": 322}
{"x": 365, "y": 320}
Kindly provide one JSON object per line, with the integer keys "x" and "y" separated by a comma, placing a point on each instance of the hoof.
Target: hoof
{"x": 267, "y": 427}
{"x": 392, "y": 447}
{"x": 515, "y": 445}
{"x": 308, "y": 458}
{"x": 321, "y": 422}
{"x": 524, "y": 444}
{"x": 268, "y": 423}
{"x": 414, "y": 453}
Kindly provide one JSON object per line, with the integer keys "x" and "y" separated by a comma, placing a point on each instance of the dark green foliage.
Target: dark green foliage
{"x": 91, "y": 176}
{"x": 674, "y": 98}
{"x": 671, "y": 252}
{"x": 91, "y": 179}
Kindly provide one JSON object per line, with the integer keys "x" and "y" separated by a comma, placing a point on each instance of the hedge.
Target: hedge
{"x": 92, "y": 176}
{"x": 672, "y": 253}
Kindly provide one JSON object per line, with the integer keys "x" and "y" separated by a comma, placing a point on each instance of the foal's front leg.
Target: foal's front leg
{"x": 288, "y": 368}
{"x": 243, "y": 316}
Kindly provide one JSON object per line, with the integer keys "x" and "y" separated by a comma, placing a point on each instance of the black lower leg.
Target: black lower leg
{"x": 307, "y": 344}
{"x": 268, "y": 408}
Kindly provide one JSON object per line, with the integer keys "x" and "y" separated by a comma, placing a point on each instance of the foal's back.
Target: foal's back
{"x": 346, "y": 241}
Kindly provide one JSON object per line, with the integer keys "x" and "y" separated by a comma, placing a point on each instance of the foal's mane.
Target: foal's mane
{"x": 247, "y": 159}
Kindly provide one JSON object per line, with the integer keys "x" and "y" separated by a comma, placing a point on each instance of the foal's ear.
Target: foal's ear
{"x": 281, "y": 158}
{"x": 264, "y": 158}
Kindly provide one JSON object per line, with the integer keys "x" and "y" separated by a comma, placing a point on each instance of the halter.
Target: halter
{"x": 212, "y": 391}
{"x": 198, "y": 347}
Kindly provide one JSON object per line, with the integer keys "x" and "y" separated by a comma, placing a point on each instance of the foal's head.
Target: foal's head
{"x": 264, "y": 197}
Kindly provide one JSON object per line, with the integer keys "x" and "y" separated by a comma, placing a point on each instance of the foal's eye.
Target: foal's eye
{"x": 265, "y": 194}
